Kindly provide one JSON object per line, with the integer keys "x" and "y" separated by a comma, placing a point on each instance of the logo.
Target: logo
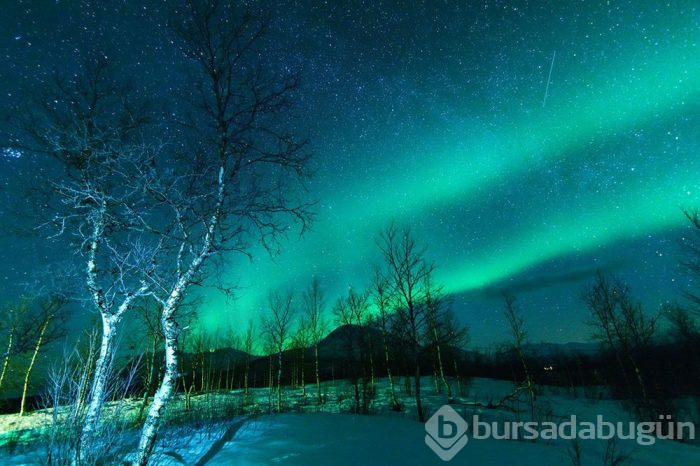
{"x": 446, "y": 433}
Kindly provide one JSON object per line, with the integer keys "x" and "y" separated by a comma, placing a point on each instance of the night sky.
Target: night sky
{"x": 527, "y": 144}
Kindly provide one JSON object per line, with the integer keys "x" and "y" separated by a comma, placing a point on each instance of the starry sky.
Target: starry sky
{"x": 527, "y": 144}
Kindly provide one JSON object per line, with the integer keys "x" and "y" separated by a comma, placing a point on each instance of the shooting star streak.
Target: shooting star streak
{"x": 549, "y": 79}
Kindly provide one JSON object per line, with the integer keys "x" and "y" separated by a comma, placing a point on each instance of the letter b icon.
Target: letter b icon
{"x": 442, "y": 423}
{"x": 446, "y": 433}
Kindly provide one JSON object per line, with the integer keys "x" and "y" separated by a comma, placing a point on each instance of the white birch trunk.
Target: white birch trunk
{"x": 171, "y": 332}
{"x": 6, "y": 359}
{"x": 318, "y": 378}
{"x": 394, "y": 401}
{"x": 441, "y": 368}
{"x": 165, "y": 390}
{"x": 37, "y": 347}
{"x": 279, "y": 381}
{"x": 103, "y": 367}
{"x": 245, "y": 381}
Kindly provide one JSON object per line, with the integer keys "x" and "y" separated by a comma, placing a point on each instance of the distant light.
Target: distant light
{"x": 11, "y": 153}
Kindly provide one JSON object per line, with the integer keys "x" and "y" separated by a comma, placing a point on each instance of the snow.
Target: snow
{"x": 353, "y": 440}
{"x": 349, "y": 440}
{"x": 334, "y": 437}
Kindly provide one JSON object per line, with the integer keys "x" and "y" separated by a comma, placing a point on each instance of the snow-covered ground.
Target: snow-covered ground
{"x": 308, "y": 439}
{"x": 331, "y": 436}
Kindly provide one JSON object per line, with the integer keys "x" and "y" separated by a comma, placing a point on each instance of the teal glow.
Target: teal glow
{"x": 609, "y": 158}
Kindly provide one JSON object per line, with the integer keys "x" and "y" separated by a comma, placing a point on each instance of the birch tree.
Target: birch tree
{"x": 238, "y": 182}
{"x": 92, "y": 124}
{"x": 443, "y": 332}
{"x": 16, "y": 331}
{"x": 199, "y": 344}
{"x": 350, "y": 313}
{"x": 407, "y": 270}
{"x": 620, "y": 324}
{"x": 248, "y": 342}
{"x": 150, "y": 220}
{"x": 690, "y": 245}
{"x": 300, "y": 342}
{"x": 314, "y": 302}
{"x": 420, "y": 320}
{"x": 516, "y": 325}
{"x": 382, "y": 297}
{"x": 149, "y": 315}
{"x": 48, "y": 325}
{"x": 278, "y": 327}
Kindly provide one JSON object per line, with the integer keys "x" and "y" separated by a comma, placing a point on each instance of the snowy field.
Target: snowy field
{"x": 382, "y": 440}
{"x": 309, "y": 436}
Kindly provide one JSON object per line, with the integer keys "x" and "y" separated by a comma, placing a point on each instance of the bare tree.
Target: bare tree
{"x": 17, "y": 331}
{"x": 300, "y": 342}
{"x": 229, "y": 338}
{"x": 236, "y": 185}
{"x": 149, "y": 314}
{"x": 351, "y": 312}
{"x": 682, "y": 323}
{"x": 150, "y": 219}
{"x": 63, "y": 402}
{"x": 620, "y": 324}
{"x": 443, "y": 330}
{"x": 314, "y": 302}
{"x": 248, "y": 342}
{"x": 690, "y": 245}
{"x": 269, "y": 350}
{"x": 516, "y": 325}
{"x": 407, "y": 270}
{"x": 383, "y": 303}
{"x": 278, "y": 327}
{"x": 86, "y": 346}
{"x": 200, "y": 343}
{"x": 48, "y": 320}
{"x": 92, "y": 123}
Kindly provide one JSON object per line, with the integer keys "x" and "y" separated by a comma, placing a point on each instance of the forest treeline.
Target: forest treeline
{"x": 648, "y": 360}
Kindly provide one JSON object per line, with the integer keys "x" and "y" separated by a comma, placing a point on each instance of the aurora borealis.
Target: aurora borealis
{"x": 431, "y": 114}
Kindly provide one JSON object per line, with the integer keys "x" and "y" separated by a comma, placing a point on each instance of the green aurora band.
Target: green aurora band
{"x": 633, "y": 96}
